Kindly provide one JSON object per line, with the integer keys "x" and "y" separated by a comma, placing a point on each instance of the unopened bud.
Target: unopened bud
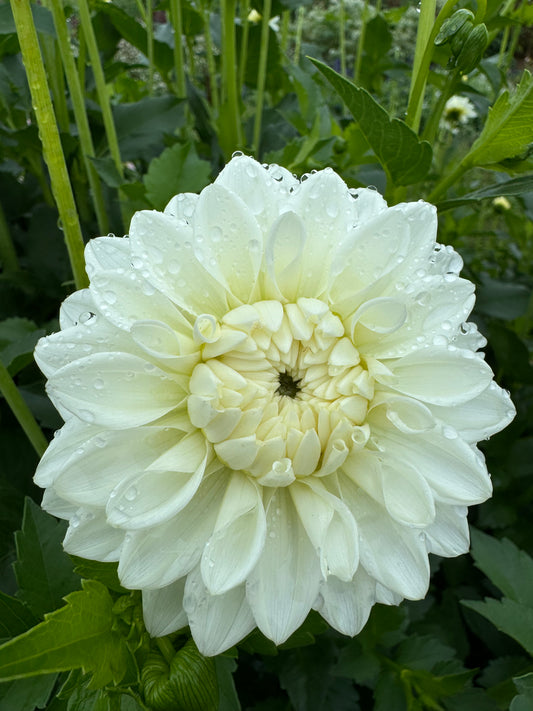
{"x": 452, "y": 25}
{"x": 473, "y": 49}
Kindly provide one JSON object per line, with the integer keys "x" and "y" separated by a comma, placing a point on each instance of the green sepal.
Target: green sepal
{"x": 460, "y": 38}
{"x": 189, "y": 683}
{"x": 452, "y": 25}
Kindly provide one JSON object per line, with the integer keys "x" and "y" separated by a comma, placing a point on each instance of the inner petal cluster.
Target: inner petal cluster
{"x": 281, "y": 392}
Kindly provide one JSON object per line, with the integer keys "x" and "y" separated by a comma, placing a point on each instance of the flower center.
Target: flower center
{"x": 281, "y": 392}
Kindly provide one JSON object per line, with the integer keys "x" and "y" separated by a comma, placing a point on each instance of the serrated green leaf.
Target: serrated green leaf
{"x": 15, "y": 617}
{"x": 178, "y": 169}
{"x": 502, "y": 299}
{"x": 510, "y": 617}
{"x": 508, "y": 129}
{"x": 79, "y": 635}
{"x": 418, "y": 652}
{"x": 403, "y": 156}
{"x": 18, "y": 337}
{"x": 105, "y": 573}
{"x": 516, "y": 186}
{"x": 24, "y": 694}
{"x": 524, "y": 700}
{"x": 506, "y": 565}
{"x": 43, "y": 570}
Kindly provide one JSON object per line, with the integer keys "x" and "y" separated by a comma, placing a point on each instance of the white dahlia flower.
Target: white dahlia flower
{"x": 271, "y": 402}
{"x": 458, "y": 111}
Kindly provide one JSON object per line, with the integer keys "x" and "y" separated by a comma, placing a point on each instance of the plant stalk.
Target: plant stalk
{"x": 21, "y": 411}
{"x": 179, "y": 65}
{"x": 261, "y": 75}
{"x": 52, "y": 148}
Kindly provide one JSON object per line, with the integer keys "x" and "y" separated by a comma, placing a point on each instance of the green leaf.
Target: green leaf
{"x": 403, "y": 156}
{"x": 418, "y": 652}
{"x": 43, "y": 570}
{"x": 502, "y": 299}
{"x": 228, "y": 699}
{"x": 508, "y": 129}
{"x": 178, "y": 169}
{"x": 510, "y": 617}
{"x": 524, "y": 700}
{"x": 42, "y": 18}
{"x": 79, "y": 635}
{"x": 107, "y": 170}
{"x": 516, "y": 186}
{"x": 506, "y": 565}
{"x": 105, "y": 573}
{"x": 15, "y": 617}
{"x": 18, "y": 337}
{"x": 24, "y": 694}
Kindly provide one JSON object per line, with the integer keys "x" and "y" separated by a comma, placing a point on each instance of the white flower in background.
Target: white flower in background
{"x": 458, "y": 111}
{"x": 271, "y": 401}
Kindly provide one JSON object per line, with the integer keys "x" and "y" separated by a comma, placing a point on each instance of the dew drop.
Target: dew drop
{"x": 131, "y": 493}
{"x": 99, "y": 384}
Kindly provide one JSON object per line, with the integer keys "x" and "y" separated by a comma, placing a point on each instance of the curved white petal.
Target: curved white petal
{"x": 172, "y": 265}
{"x": 346, "y": 605}
{"x": 449, "y": 535}
{"x": 217, "y": 622}
{"x": 163, "y": 609}
{"x": 238, "y": 537}
{"x": 284, "y": 584}
{"x": 80, "y": 303}
{"x": 90, "y": 536}
{"x": 105, "y": 253}
{"x": 118, "y": 390}
{"x": 155, "y": 557}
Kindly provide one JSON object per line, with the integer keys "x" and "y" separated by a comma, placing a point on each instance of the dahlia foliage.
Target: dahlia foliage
{"x": 271, "y": 399}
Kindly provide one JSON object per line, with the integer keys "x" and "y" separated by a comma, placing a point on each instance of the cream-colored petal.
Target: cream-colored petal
{"x": 163, "y": 609}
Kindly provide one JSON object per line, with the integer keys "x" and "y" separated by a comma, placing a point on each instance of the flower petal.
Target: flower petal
{"x": 163, "y": 609}
{"x": 172, "y": 265}
{"x": 346, "y": 605}
{"x": 217, "y": 622}
{"x": 284, "y": 584}
{"x": 238, "y": 538}
{"x": 449, "y": 535}
{"x": 115, "y": 390}
{"x": 90, "y": 536}
{"x": 158, "y": 556}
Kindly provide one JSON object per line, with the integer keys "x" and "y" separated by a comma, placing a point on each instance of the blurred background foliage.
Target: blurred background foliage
{"x": 178, "y": 110}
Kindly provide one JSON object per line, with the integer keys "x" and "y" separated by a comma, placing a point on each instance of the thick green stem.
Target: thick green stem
{"x": 425, "y": 23}
{"x": 230, "y": 101}
{"x": 261, "y": 75}
{"x": 179, "y": 65}
{"x": 360, "y": 45}
{"x": 285, "y": 25}
{"x": 211, "y": 64}
{"x": 245, "y": 24}
{"x": 52, "y": 148}
{"x": 432, "y": 125}
{"x": 419, "y": 77}
{"x": 342, "y": 37}
{"x": 80, "y": 114}
{"x": 21, "y": 411}
{"x": 150, "y": 43}
{"x": 56, "y": 81}
{"x": 448, "y": 180}
{"x": 299, "y": 31}
{"x": 101, "y": 88}
{"x": 8, "y": 255}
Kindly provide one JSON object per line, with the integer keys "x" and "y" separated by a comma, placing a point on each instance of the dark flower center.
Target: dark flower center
{"x": 288, "y": 386}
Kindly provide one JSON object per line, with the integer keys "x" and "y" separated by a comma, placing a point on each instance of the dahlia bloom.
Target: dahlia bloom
{"x": 458, "y": 111}
{"x": 271, "y": 399}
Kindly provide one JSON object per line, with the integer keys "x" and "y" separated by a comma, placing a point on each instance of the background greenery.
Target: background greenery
{"x": 162, "y": 117}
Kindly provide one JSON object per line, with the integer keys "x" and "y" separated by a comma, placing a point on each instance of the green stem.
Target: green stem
{"x": 245, "y": 24}
{"x": 21, "y": 411}
{"x": 150, "y": 41}
{"x": 52, "y": 148}
{"x": 432, "y": 126}
{"x": 101, "y": 88}
{"x": 56, "y": 81}
{"x": 285, "y": 25}
{"x": 229, "y": 76}
{"x": 8, "y": 255}
{"x": 360, "y": 45}
{"x": 80, "y": 114}
{"x": 449, "y": 179}
{"x": 299, "y": 31}
{"x": 425, "y": 23}
{"x": 481, "y": 11}
{"x": 211, "y": 64}
{"x": 179, "y": 65}
{"x": 419, "y": 78}
{"x": 342, "y": 38}
{"x": 261, "y": 75}
{"x": 82, "y": 59}
{"x": 166, "y": 648}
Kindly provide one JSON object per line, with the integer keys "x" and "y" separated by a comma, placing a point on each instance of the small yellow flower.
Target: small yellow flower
{"x": 501, "y": 203}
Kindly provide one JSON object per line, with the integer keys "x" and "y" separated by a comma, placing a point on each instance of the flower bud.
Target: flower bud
{"x": 453, "y": 24}
{"x": 473, "y": 48}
